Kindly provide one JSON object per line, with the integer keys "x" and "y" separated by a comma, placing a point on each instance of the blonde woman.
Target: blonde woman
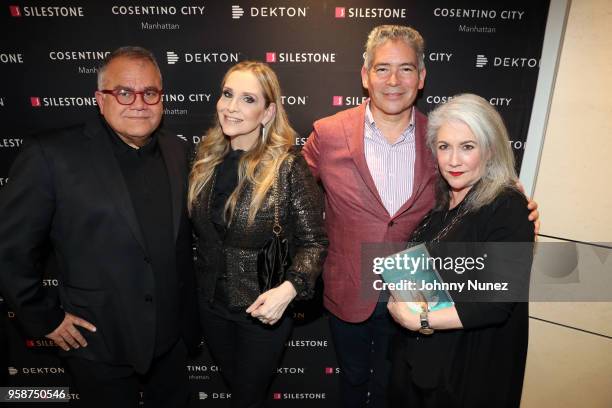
{"x": 245, "y": 168}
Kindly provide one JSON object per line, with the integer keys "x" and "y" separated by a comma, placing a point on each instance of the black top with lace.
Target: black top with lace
{"x": 225, "y": 183}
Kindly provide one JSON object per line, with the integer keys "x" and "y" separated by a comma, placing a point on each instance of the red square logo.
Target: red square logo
{"x": 329, "y": 370}
{"x": 270, "y": 57}
{"x": 337, "y": 101}
{"x": 15, "y": 11}
{"x": 29, "y": 343}
{"x": 276, "y": 396}
{"x": 35, "y": 101}
{"x": 340, "y": 12}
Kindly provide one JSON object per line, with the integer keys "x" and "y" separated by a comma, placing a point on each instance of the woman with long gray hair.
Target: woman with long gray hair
{"x": 471, "y": 354}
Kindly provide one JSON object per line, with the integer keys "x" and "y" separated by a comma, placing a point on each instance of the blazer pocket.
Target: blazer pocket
{"x": 85, "y": 297}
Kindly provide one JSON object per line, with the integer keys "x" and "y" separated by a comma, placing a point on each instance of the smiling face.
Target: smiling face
{"x": 460, "y": 158}
{"x": 136, "y": 122}
{"x": 242, "y": 109}
{"x": 393, "y": 79}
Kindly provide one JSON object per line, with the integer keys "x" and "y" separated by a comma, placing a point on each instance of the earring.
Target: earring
{"x": 263, "y": 132}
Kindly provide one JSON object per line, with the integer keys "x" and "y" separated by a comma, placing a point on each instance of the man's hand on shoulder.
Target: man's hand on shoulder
{"x": 66, "y": 335}
{"x": 532, "y": 206}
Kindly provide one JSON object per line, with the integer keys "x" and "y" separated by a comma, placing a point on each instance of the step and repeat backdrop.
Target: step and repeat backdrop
{"x": 50, "y": 51}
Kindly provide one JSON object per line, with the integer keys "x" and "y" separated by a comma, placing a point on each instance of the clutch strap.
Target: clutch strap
{"x": 277, "y": 229}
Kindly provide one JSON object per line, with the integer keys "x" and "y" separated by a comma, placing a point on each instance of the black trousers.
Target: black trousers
{"x": 362, "y": 350}
{"x": 102, "y": 385}
{"x": 403, "y": 392}
{"x": 247, "y": 351}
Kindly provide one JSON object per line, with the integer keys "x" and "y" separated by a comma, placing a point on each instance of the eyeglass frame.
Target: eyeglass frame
{"x": 135, "y": 93}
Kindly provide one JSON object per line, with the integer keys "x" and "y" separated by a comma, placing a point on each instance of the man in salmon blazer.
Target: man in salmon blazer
{"x": 377, "y": 174}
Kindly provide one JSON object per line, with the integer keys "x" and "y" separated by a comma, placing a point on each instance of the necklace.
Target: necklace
{"x": 460, "y": 211}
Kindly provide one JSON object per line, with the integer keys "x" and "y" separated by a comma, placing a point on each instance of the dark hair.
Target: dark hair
{"x": 128, "y": 51}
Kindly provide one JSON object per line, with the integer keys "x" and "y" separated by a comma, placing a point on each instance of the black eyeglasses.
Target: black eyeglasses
{"x": 128, "y": 96}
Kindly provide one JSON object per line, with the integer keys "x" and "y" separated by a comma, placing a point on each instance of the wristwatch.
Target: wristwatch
{"x": 425, "y": 328}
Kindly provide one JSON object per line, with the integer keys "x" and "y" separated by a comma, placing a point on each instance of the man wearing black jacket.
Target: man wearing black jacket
{"x": 110, "y": 197}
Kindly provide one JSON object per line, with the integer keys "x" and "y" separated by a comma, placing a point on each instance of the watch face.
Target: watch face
{"x": 426, "y": 330}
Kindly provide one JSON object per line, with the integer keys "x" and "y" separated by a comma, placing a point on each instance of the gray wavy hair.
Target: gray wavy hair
{"x": 491, "y": 135}
{"x": 383, "y": 33}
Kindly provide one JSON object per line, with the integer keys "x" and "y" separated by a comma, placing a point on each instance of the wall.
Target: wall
{"x": 572, "y": 366}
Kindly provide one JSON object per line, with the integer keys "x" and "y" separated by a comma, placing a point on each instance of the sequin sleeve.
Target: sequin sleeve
{"x": 309, "y": 236}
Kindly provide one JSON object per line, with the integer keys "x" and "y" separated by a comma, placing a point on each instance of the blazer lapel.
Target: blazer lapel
{"x": 424, "y": 167}
{"x": 354, "y": 132}
{"x": 176, "y": 177}
{"x": 110, "y": 176}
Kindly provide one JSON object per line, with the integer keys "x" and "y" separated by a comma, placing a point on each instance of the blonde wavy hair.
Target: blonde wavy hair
{"x": 260, "y": 164}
